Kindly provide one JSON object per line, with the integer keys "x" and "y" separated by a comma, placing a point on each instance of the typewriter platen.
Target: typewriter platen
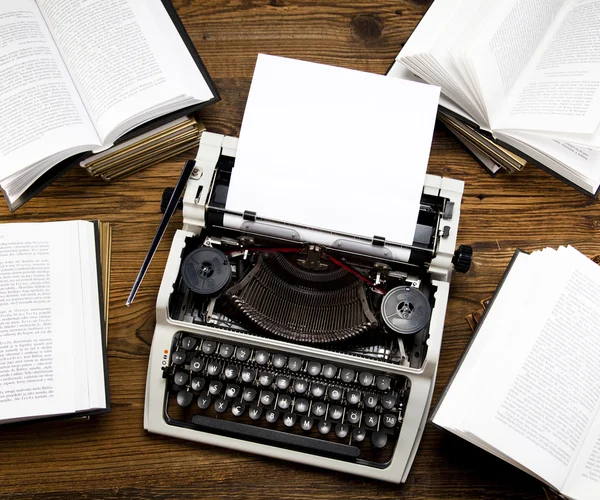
{"x": 295, "y": 343}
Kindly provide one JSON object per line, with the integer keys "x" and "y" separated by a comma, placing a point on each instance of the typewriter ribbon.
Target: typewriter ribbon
{"x": 405, "y": 310}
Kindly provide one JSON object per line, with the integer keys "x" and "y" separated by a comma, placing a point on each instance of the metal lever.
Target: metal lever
{"x": 169, "y": 211}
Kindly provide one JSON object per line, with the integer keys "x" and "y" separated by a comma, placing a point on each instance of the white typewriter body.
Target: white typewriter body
{"x": 422, "y": 379}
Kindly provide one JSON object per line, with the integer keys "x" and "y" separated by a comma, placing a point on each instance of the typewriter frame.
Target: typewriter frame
{"x": 195, "y": 203}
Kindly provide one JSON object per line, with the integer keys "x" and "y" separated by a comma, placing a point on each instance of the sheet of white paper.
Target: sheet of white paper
{"x": 333, "y": 148}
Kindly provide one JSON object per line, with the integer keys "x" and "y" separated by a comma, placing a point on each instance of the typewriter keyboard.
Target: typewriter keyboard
{"x": 289, "y": 401}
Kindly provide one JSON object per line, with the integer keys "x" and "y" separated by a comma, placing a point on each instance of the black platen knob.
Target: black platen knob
{"x": 166, "y": 197}
{"x": 462, "y": 258}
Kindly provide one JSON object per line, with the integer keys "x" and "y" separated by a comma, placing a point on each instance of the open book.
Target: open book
{"x": 79, "y": 76}
{"x": 528, "y": 387}
{"x": 52, "y": 343}
{"x": 527, "y": 71}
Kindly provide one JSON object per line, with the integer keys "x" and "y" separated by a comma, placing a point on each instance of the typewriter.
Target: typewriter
{"x": 297, "y": 343}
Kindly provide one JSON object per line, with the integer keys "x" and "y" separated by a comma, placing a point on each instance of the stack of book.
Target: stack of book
{"x": 517, "y": 82}
{"x": 147, "y": 149}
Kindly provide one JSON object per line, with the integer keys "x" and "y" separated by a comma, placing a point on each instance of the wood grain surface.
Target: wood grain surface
{"x": 111, "y": 456}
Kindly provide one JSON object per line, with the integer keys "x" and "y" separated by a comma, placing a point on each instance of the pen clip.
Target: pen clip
{"x": 169, "y": 211}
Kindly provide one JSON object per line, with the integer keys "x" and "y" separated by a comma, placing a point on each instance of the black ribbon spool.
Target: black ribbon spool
{"x": 206, "y": 271}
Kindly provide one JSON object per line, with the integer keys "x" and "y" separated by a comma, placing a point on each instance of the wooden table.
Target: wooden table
{"x": 111, "y": 455}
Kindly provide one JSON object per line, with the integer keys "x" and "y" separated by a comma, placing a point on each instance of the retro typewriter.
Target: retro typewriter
{"x": 295, "y": 343}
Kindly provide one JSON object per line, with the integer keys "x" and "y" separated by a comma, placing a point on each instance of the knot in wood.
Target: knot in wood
{"x": 368, "y": 28}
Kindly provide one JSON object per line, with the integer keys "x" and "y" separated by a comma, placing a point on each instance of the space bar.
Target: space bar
{"x": 277, "y": 438}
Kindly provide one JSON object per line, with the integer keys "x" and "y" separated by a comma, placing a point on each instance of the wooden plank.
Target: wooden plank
{"x": 111, "y": 456}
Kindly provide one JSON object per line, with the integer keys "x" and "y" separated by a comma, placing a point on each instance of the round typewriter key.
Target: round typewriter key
{"x": 197, "y": 364}
{"x": 335, "y": 412}
{"x": 301, "y": 405}
{"x": 313, "y": 368}
{"x": 319, "y": 409}
{"x": 307, "y": 423}
{"x": 359, "y": 434}
{"x": 267, "y": 398}
{"x": 300, "y": 386}
{"x": 342, "y": 430}
{"x": 294, "y": 364}
{"x": 178, "y": 357}
{"x": 278, "y": 360}
{"x": 284, "y": 402}
{"x": 242, "y": 354}
{"x": 388, "y": 401}
{"x": 282, "y": 382}
{"x": 289, "y": 419}
{"x": 249, "y": 394}
{"x": 347, "y": 375}
{"x": 209, "y": 346}
{"x": 232, "y": 391}
{"x": 248, "y": 375}
{"x": 184, "y": 398}
{"x": 226, "y": 350}
{"x": 324, "y": 426}
{"x": 365, "y": 379}
{"x": 254, "y": 412}
{"x": 188, "y": 343}
{"x": 213, "y": 368}
{"x": 353, "y": 397}
{"x": 237, "y": 409}
{"x": 353, "y": 416}
{"x": 198, "y": 384}
{"x": 334, "y": 393}
{"x": 371, "y": 420}
{"x": 215, "y": 387}
{"x": 261, "y": 357}
{"x": 329, "y": 371}
{"x": 231, "y": 372}
{"x": 220, "y": 405}
{"x": 204, "y": 402}
{"x": 383, "y": 382}
{"x": 180, "y": 378}
{"x": 379, "y": 439}
{"x": 389, "y": 420}
{"x": 272, "y": 416}
{"x": 317, "y": 390}
{"x": 370, "y": 400}
{"x": 265, "y": 378}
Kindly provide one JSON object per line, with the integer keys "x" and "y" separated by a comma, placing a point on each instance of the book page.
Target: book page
{"x": 42, "y": 113}
{"x": 504, "y": 45}
{"x": 89, "y": 300}
{"x": 561, "y": 91}
{"x": 126, "y": 58}
{"x": 583, "y": 482}
{"x": 576, "y": 164}
{"x": 541, "y": 397}
{"x": 42, "y": 353}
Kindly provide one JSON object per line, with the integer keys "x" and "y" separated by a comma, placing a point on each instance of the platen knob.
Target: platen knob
{"x": 166, "y": 197}
{"x": 462, "y": 258}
